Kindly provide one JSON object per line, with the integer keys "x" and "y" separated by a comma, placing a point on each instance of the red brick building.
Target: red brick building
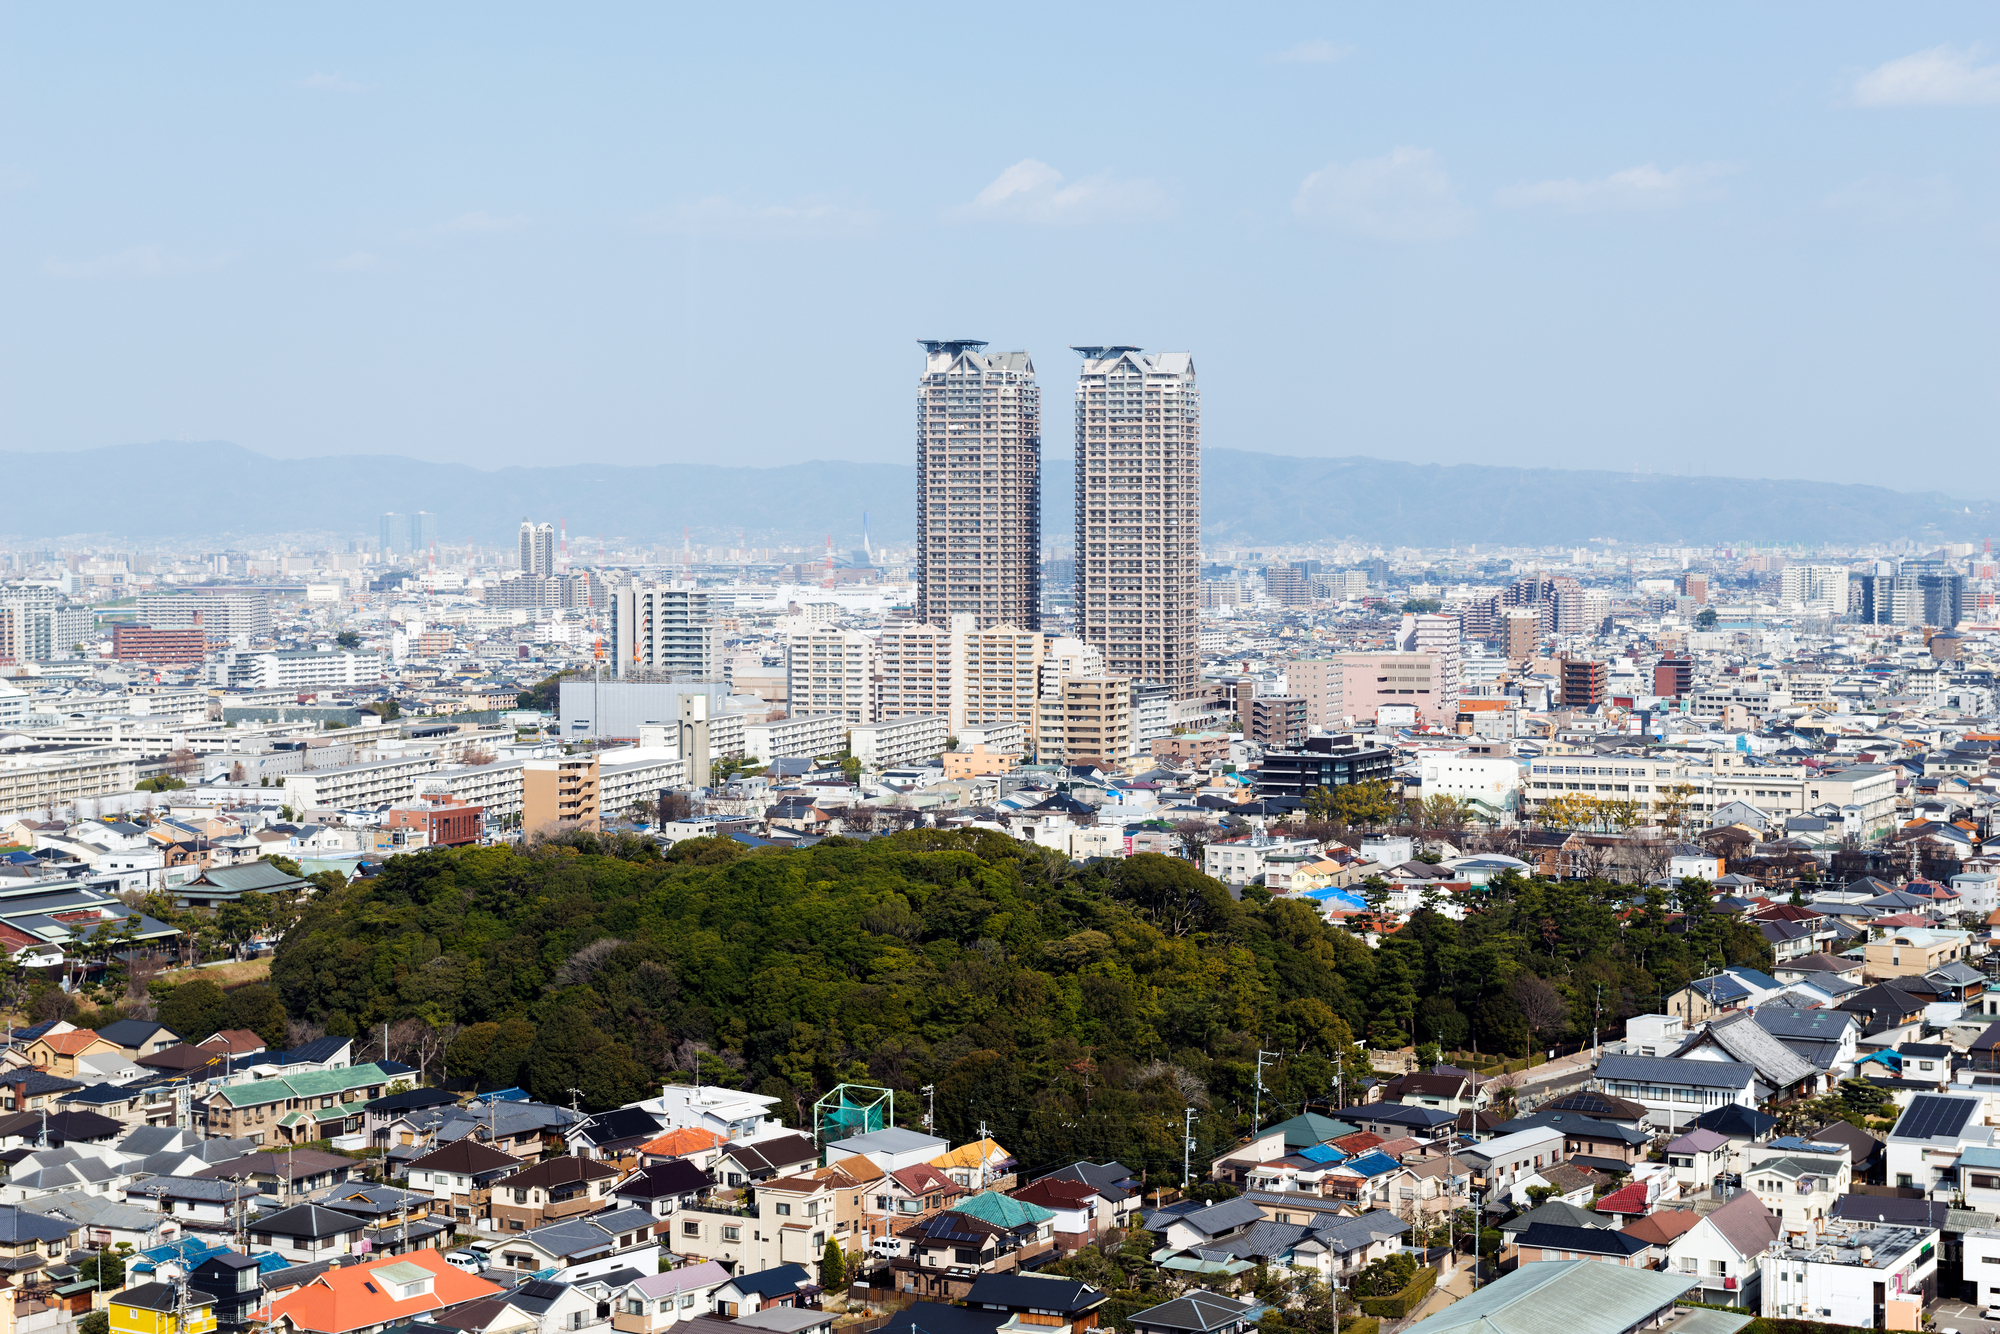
{"x": 446, "y": 821}
{"x": 142, "y": 643}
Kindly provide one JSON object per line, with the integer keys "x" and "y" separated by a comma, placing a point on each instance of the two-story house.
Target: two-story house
{"x": 1198, "y": 1312}
{"x": 306, "y": 1232}
{"x": 461, "y": 1176}
{"x": 584, "y": 1247}
{"x": 1797, "y": 1180}
{"x": 552, "y": 1189}
{"x": 257, "y": 1108}
{"x": 663, "y": 1187}
{"x": 653, "y": 1302}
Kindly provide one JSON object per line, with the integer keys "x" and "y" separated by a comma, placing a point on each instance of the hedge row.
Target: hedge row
{"x": 1397, "y": 1305}
{"x": 1360, "y": 1324}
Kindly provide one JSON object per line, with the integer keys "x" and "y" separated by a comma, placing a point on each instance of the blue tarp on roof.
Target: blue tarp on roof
{"x": 1373, "y": 1164}
{"x": 1322, "y": 1153}
{"x": 505, "y": 1095}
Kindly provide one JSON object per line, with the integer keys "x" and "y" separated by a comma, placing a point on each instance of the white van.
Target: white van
{"x": 470, "y": 1261}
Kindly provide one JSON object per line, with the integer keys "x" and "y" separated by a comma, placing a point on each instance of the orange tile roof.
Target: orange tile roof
{"x": 69, "y": 1044}
{"x": 348, "y": 1299}
{"x": 680, "y": 1143}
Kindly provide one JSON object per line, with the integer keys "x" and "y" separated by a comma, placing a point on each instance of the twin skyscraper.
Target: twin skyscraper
{"x": 1138, "y": 501}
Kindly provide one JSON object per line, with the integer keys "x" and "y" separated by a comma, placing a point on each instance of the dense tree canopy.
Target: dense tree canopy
{"x": 1072, "y": 1011}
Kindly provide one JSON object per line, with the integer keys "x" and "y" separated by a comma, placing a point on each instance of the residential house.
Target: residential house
{"x": 288, "y": 1175}
{"x": 700, "y": 1147}
{"x": 1798, "y": 1180}
{"x": 663, "y": 1187}
{"x": 945, "y": 1252}
{"x": 1865, "y": 1153}
{"x": 549, "y": 1190}
{"x": 1552, "y": 1241}
{"x": 779, "y": 1287}
{"x": 1499, "y": 1166}
{"x": 58, "y": 1052}
{"x": 1871, "y": 1275}
{"x": 30, "y": 1241}
{"x": 748, "y": 1162}
{"x": 159, "y": 1308}
{"x": 306, "y": 1232}
{"x": 582, "y": 1247}
{"x": 1906, "y": 951}
{"x": 259, "y": 1108}
{"x": 1697, "y": 1158}
{"x": 977, "y": 1165}
{"x": 372, "y": 1296}
{"x": 461, "y": 1176}
{"x": 1447, "y": 1089}
{"x": 1720, "y": 1251}
{"x": 1561, "y": 1213}
{"x": 234, "y": 1283}
{"x": 1196, "y": 1312}
{"x": 1080, "y": 1213}
{"x": 1930, "y": 1134}
{"x": 613, "y": 1136}
{"x": 1392, "y": 1120}
{"x": 652, "y": 1302}
{"x": 103, "y": 1223}
{"x": 1115, "y": 1183}
{"x": 1037, "y": 1302}
{"x": 1602, "y": 1145}
{"x": 1825, "y": 1039}
{"x": 1675, "y": 1091}
{"x": 196, "y": 1204}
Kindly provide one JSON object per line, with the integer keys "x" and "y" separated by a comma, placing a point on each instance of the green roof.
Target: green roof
{"x": 1576, "y": 1296}
{"x": 257, "y": 877}
{"x": 1003, "y": 1210}
{"x": 1309, "y": 1128}
{"x": 316, "y": 1084}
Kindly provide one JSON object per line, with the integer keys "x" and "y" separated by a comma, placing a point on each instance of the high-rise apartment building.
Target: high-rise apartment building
{"x": 37, "y": 625}
{"x": 1518, "y": 630}
{"x": 969, "y": 676}
{"x": 663, "y": 633}
{"x": 832, "y": 671}
{"x": 1583, "y": 683}
{"x": 407, "y": 534}
{"x": 1138, "y": 514}
{"x": 538, "y": 548}
{"x": 979, "y": 486}
{"x": 1087, "y": 721}
{"x": 1818, "y": 588}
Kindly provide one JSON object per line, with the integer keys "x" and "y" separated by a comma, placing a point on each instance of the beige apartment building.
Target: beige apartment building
{"x": 559, "y": 795}
{"x": 1356, "y": 685}
{"x": 1138, "y": 514}
{"x": 1087, "y": 721}
{"x": 972, "y": 677}
{"x": 1712, "y": 781}
{"x": 979, "y": 486}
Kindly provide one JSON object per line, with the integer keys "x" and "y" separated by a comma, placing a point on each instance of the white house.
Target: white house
{"x": 1721, "y": 1252}
{"x": 1848, "y": 1273}
{"x": 1675, "y": 1092}
{"x": 1929, "y": 1137}
{"x": 1697, "y": 1157}
{"x": 1502, "y": 1164}
{"x": 1798, "y": 1180}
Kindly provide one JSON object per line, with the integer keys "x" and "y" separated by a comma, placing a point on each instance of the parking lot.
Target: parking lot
{"x": 1963, "y": 1318}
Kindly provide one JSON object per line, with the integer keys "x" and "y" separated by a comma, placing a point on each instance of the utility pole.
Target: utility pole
{"x": 1257, "y": 1113}
{"x": 930, "y": 1107}
{"x": 1187, "y": 1150}
{"x": 1596, "y": 1013}
{"x": 982, "y": 1155}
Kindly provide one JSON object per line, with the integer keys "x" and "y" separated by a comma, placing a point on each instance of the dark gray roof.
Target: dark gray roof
{"x": 1200, "y": 1311}
{"x": 1033, "y": 1292}
{"x": 1672, "y": 1070}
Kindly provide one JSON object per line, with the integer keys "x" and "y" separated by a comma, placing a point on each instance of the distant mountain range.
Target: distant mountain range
{"x": 215, "y": 490}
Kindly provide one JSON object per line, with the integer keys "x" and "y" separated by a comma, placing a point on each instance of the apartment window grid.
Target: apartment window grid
{"x": 1138, "y": 514}
{"x": 978, "y": 486}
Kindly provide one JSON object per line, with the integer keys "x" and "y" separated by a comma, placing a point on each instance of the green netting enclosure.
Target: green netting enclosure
{"x": 852, "y": 1109}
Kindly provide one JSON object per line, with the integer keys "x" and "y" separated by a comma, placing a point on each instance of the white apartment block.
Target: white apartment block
{"x": 496, "y": 787}
{"x": 1138, "y": 514}
{"x": 802, "y": 734}
{"x": 623, "y": 784}
{"x": 832, "y": 671}
{"x": 36, "y": 625}
{"x": 664, "y": 632}
{"x": 979, "y": 486}
{"x": 1816, "y": 588}
{"x": 223, "y": 614}
{"x": 1068, "y": 657}
{"x": 1493, "y": 785}
{"x": 971, "y": 677}
{"x": 293, "y": 669}
{"x": 1715, "y": 781}
{"x": 357, "y": 785}
{"x": 888, "y": 745}
{"x": 57, "y": 778}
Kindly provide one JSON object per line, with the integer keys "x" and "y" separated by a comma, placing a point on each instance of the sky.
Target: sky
{"x": 1712, "y": 239}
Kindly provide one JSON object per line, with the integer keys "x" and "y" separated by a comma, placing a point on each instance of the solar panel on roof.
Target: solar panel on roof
{"x": 537, "y": 1288}
{"x": 1933, "y": 1116}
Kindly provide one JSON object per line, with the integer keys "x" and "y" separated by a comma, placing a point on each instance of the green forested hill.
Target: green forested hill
{"x": 1073, "y": 1011}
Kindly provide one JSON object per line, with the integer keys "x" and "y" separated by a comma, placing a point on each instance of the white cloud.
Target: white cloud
{"x": 1941, "y": 76}
{"x": 145, "y": 261}
{"x": 1033, "y": 192}
{"x": 331, "y": 83}
{"x": 1644, "y": 187}
{"x": 360, "y": 261}
{"x": 1404, "y": 196}
{"x": 1894, "y": 199}
{"x": 814, "y": 218}
{"x": 1319, "y": 51}
{"x": 479, "y": 223}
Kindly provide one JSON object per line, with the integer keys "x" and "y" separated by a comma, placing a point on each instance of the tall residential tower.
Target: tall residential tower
{"x": 979, "y": 486}
{"x": 1138, "y": 514}
{"x": 538, "y": 548}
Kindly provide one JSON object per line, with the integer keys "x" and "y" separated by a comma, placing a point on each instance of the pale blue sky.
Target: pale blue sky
{"x": 1728, "y": 239}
